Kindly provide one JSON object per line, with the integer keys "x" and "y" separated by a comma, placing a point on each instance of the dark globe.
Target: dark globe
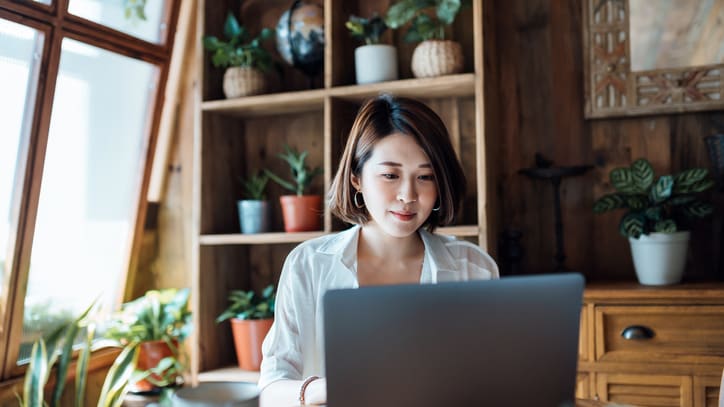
{"x": 300, "y": 38}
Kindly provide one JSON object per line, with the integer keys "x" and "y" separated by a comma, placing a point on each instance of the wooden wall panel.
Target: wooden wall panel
{"x": 534, "y": 77}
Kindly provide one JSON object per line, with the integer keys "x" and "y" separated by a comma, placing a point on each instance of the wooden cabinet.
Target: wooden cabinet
{"x": 653, "y": 346}
{"x": 235, "y": 137}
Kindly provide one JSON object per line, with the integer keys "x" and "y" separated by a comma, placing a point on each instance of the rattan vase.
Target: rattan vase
{"x": 436, "y": 58}
{"x": 243, "y": 81}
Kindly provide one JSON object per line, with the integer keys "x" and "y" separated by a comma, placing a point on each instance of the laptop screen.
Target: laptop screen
{"x": 507, "y": 342}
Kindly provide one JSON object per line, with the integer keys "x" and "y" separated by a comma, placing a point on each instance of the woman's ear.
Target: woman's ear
{"x": 355, "y": 182}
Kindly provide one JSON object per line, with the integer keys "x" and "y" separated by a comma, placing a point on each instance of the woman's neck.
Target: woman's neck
{"x": 374, "y": 243}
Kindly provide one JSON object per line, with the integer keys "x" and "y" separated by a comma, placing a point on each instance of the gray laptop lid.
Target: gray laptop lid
{"x": 508, "y": 342}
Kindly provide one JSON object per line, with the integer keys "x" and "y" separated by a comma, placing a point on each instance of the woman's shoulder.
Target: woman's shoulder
{"x": 467, "y": 253}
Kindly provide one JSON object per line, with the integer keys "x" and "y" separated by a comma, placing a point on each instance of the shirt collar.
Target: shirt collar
{"x": 344, "y": 245}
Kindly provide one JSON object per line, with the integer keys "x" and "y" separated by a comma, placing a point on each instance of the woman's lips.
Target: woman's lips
{"x": 404, "y": 216}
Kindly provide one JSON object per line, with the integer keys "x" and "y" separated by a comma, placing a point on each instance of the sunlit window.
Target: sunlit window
{"x": 18, "y": 81}
{"x": 140, "y": 18}
{"x": 90, "y": 185}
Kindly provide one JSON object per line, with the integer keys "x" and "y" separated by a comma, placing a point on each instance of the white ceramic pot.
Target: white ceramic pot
{"x": 659, "y": 258}
{"x": 375, "y": 63}
{"x": 253, "y": 216}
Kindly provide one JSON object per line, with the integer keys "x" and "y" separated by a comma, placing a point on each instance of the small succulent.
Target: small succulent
{"x": 369, "y": 30}
{"x": 255, "y": 185}
{"x": 248, "y": 305}
{"x": 301, "y": 173}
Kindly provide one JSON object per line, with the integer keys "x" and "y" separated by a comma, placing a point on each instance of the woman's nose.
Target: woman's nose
{"x": 407, "y": 193}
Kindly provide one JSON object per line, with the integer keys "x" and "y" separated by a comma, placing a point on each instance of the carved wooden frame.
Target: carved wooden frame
{"x": 611, "y": 89}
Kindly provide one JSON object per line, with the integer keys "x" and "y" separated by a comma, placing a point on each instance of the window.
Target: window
{"x": 77, "y": 114}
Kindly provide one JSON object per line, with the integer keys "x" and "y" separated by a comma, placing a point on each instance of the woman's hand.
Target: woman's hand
{"x": 316, "y": 392}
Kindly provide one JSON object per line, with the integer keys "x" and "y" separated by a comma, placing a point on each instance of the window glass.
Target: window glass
{"x": 18, "y": 81}
{"x": 89, "y": 190}
{"x": 142, "y": 19}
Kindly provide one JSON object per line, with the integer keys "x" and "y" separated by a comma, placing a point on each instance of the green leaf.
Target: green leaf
{"x": 681, "y": 200}
{"x": 67, "y": 354}
{"x": 117, "y": 378}
{"x": 691, "y": 176}
{"x": 665, "y": 226}
{"x": 702, "y": 186}
{"x": 608, "y": 203}
{"x": 447, "y": 10}
{"x": 653, "y": 213}
{"x": 662, "y": 189}
{"x": 36, "y": 375}
{"x": 622, "y": 180}
{"x": 698, "y": 209}
{"x": 632, "y": 225}
{"x": 399, "y": 14}
{"x": 636, "y": 202}
{"x": 81, "y": 376}
{"x": 642, "y": 174}
{"x": 232, "y": 29}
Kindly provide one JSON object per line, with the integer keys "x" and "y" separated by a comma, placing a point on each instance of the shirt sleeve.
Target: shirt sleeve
{"x": 282, "y": 349}
{"x": 473, "y": 263}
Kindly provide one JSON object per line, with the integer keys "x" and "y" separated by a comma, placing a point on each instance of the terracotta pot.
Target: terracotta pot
{"x": 248, "y": 337}
{"x": 301, "y": 213}
{"x": 149, "y": 355}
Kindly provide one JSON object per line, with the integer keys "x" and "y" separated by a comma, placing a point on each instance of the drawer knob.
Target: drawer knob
{"x": 636, "y": 332}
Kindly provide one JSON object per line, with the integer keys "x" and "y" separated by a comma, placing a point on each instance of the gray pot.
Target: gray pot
{"x": 253, "y": 216}
{"x": 217, "y": 394}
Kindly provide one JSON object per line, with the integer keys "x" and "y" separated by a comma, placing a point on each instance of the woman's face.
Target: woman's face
{"x": 398, "y": 185}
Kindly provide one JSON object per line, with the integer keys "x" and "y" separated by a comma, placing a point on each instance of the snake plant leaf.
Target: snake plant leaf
{"x": 52, "y": 341}
{"x": 81, "y": 376}
{"x": 65, "y": 358}
{"x": 642, "y": 174}
{"x": 116, "y": 384}
{"x": 608, "y": 203}
{"x": 665, "y": 226}
{"x": 632, "y": 225}
{"x": 698, "y": 209}
{"x": 662, "y": 189}
{"x": 622, "y": 180}
{"x": 36, "y": 375}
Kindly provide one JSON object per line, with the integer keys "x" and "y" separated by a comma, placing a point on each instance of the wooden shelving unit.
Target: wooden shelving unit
{"x": 235, "y": 137}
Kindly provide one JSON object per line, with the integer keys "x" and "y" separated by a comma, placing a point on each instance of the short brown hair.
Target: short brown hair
{"x": 386, "y": 115}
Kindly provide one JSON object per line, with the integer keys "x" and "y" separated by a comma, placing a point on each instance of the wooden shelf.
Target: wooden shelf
{"x": 259, "y": 238}
{"x": 460, "y": 85}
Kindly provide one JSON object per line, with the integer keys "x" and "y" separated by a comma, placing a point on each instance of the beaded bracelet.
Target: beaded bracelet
{"x": 304, "y": 388}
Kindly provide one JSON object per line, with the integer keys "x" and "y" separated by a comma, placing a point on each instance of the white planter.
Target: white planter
{"x": 659, "y": 258}
{"x": 253, "y": 216}
{"x": 375, "y": 63}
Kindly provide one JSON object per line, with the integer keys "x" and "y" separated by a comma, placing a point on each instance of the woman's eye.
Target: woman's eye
{"x": 389, "y": 176}
{"x": 429, "y": 177}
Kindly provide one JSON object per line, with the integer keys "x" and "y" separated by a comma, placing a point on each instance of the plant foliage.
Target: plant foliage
{"x": 428, "y": 17}
{"x": 248, "y": 305}
{"x": 255, "y": 185}
{"x": 54, "y": 352}
{"x": 301, "y": 173}
{"x": 369, "y": 30}
{"x": 239, "y": 49}
{"x": 661, "y": 205}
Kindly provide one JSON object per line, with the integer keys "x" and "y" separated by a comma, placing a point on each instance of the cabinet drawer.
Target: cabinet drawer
{"x": 645, "y": 390}
{"x": 687, "y": 334}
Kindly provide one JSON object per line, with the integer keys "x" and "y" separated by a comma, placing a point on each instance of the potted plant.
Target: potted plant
{"x": 300, "y": 212}
{"x": 373, "y": 61}
{"x": 158, "y": 321}
{"x": 254, "y": 210}
{"x": 245, "y": 59}
{"x": 251, "y": 318}
{"x": 657, "y": 217}
{"x": 434, "y": 56}
{"x": 55, "y": 351}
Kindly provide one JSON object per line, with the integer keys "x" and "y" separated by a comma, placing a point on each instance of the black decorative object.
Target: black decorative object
{"x": 544, "y": 170}
{"x": 511, "y": 251}
{"x": 300, "y": 38}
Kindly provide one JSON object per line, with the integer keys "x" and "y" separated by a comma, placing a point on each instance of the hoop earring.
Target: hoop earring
{"x": 356, "y": 200}
{"x": 439, "y": 205}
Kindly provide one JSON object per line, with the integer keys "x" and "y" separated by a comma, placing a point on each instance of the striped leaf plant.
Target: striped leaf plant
{"x": 666, "y": 204}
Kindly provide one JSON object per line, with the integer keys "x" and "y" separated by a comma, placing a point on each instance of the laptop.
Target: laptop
{"x": 507, "y": 342}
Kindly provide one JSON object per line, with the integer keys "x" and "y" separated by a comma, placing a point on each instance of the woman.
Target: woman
{"x": 398, "y": 179}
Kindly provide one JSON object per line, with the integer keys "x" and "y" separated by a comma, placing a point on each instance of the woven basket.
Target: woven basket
{"x": 435, "y": 58}
{"x": 243, "y": 81}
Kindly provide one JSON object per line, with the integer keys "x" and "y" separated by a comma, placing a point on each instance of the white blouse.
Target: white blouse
{"x": 294, "y": 347}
